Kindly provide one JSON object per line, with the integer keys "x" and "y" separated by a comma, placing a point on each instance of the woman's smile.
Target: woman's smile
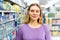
{"x": 34, "y": 16}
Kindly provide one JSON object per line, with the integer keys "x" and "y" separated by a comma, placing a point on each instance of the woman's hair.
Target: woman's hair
{"x": 27, "y": 18}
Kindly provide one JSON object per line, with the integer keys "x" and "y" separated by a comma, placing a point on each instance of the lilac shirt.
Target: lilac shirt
{"x": 25, "y": 32}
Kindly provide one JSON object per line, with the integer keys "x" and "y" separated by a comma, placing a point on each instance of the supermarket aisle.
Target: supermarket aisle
{"x": 13, "y": 12}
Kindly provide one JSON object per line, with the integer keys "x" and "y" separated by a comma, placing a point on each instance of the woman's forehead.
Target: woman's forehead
{"x": 34, "y": 7}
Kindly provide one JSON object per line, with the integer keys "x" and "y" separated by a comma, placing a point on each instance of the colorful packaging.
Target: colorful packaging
{"x": 16, "y": 8}
{"x": 54, "y": 21}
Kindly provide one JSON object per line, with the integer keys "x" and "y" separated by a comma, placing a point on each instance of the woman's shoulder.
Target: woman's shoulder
{"x": 20, "y": 28}
{"x": 46, "y": 26}
{"x": 22, "y": 25}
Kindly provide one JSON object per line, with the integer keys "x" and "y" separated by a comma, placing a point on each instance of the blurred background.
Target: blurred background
{"x": 12, "y": 13}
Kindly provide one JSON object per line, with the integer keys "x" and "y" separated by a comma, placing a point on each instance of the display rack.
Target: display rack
{"x": 53, "y": 21}
{"x": 8, "y": 25}
{"x": 19, "y": 2}
{"x": 10, "y": 18}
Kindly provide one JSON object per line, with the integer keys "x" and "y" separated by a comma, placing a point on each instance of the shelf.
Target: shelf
{"x": 6, "y": 11}
{"x": 56, "y": 19}
{"x": 14, "y": 29}
{"x": 7, "y": 21}
{"x": 9, "y": 31}
{"x": 55, "y": 24}
{"x": 55, "y": 30}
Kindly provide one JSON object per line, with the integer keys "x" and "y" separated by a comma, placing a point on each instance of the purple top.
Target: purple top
{"x": 25, "y": 32}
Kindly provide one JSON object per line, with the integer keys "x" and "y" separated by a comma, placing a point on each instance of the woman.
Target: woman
{"x": 33, "y": 29}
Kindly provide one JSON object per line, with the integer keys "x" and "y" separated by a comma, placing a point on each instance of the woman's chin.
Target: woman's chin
{"x": 34, "y": 19}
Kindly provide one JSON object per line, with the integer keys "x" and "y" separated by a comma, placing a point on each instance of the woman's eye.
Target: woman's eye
{"x": 37, "y": 11}
{"x": 32, "y": 10}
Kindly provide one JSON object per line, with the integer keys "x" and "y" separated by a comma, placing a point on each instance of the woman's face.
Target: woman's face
{"x": 34, "y": 13}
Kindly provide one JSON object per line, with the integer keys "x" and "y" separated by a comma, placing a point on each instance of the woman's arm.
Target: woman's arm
{"x": 47, "y": 33}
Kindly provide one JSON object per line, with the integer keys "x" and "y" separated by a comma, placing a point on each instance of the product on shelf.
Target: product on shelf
{"x": 46, "y": 21}
{"x": 57, "y": 15}
{"x": 1, "y": 35}
{"x": 54, "y": 33}
{"x": 46, "y": 15}
{"x": 1, "y": 6}
{"x": 15, "y": 23}
{"x": 50, "y": 21}
{"x": 9, "y": 36}
{"x": 54, "y": 30}
{"x": 19, "y": 19}
{"x": 0, "y": 16}
{"x": 1, "y": 32}
{"x": 7, "y": 6}
{"x": 51, "y": 15}
{"x": 12, "y": 15}
{"x": 58, "y": 22}
{"x": 13, "y": 35}
{"x": 7, "y": 15}
{"x": 54, "y": 22}
{"x": 57, "y": 8}
{"x": 15, "y": 8}
{"x": 59, "y": 33}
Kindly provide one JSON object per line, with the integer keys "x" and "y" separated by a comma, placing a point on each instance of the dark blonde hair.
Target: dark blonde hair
{"x": 27, "y": 18}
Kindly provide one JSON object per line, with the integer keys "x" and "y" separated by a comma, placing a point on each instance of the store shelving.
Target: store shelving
{"x": 11, "y": 15}
{"x": 7, "y": 25}
{"x": 19, "y": 2}
{"x": 6, "y": 21}
{"x": 56, "y": 19}
{"x": 55, "y": 24}
{"x": 53, "y": 20}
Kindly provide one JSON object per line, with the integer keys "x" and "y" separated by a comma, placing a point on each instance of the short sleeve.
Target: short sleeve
{"x": 47, "y": 32}
{"x": 19, "y": 34}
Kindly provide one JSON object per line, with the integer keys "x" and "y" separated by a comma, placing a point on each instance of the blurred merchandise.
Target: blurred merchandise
{"x": 8, "y": 25}
{"x": 15, "y": 8}
{"x": 54, "y": 22}
{"x": 1, "y": 5}
{"x": 7, "y": 6}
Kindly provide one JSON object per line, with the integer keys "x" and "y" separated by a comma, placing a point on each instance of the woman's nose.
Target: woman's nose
{"x": 35, "y": 12}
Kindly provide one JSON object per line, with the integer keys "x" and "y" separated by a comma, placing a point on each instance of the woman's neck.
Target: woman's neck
{"x": 33, "y": 22}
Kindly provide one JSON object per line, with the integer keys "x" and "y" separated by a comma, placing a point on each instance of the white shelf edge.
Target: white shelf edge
{"x": 55, "y": 24}
{"x": 7, "y": 11}
{"x": 7, "y": 21}
{"x": 55, "y": 30}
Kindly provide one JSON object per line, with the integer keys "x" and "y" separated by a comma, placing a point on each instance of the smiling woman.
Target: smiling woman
{"x": 34, "y": 13}
{"x": 33, "y": 29}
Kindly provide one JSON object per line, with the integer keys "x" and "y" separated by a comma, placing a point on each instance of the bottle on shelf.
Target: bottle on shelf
{"x": 1, "y": 32}
{"x": 1, "y": 4}
{"x": 16, "y": 8}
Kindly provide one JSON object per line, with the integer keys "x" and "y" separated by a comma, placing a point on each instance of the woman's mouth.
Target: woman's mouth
{"x": 34, "y": 16}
